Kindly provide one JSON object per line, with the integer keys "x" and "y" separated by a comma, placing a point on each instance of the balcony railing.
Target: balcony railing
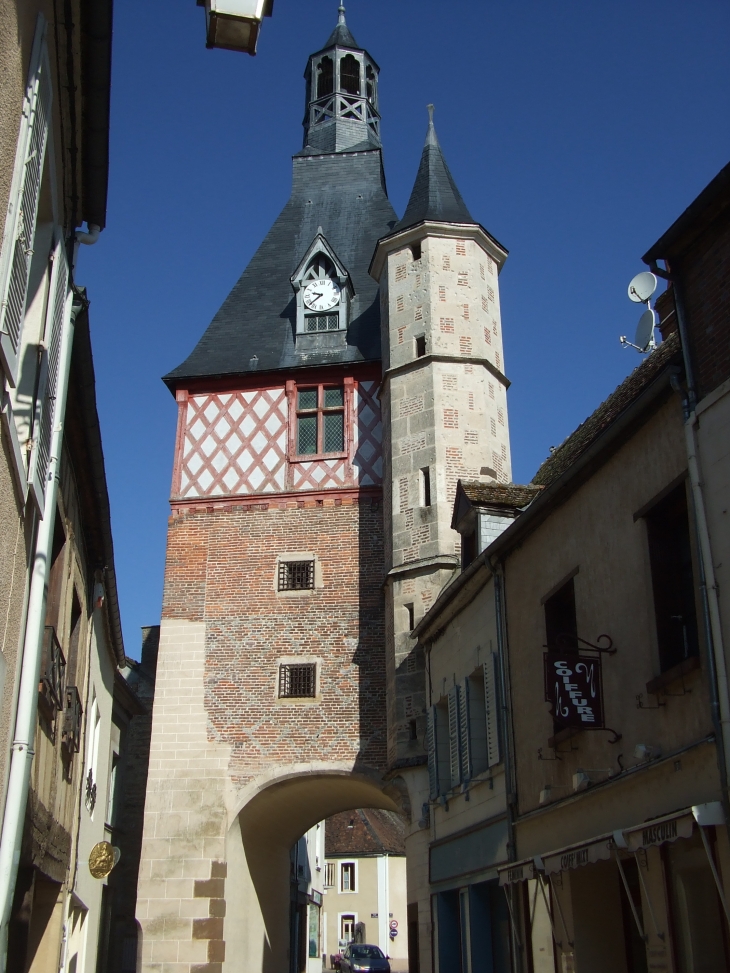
{"x": 71, "y": 737}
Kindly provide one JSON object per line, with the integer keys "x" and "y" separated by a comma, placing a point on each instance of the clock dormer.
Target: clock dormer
{"x": 323, "y": 289}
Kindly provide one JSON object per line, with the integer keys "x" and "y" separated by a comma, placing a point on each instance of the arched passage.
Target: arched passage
{"x": 271, "y": 819}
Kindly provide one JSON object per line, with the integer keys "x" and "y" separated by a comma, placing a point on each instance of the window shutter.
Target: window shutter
{"x": 17, "y": 250}
{"x": 454, "y": 734}
{"x": 466, "y": 757}
{"x": 492, "y": 709}
{"x": 433, "y": 772}
{"x": 48, "y": 378}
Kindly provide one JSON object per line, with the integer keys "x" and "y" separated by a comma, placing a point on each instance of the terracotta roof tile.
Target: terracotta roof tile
{"x": 364, "y": 832}
{"x": 512, "y": 495}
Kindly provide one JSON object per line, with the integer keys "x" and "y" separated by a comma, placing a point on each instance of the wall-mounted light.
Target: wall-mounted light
{"x": 235, "y": 24}
{"x": 642, "y": 751}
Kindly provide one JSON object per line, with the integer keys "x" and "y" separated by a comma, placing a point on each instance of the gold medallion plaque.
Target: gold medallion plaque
{"x": 101, "y": 859}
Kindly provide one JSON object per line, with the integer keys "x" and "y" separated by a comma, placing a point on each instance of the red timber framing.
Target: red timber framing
{"x": 237, "y": 439}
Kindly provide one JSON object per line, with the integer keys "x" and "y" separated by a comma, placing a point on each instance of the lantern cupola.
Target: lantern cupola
{"x": 342, "y": 96}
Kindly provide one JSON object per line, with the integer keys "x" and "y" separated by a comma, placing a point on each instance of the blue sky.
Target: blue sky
{"x": 577, "y": 132}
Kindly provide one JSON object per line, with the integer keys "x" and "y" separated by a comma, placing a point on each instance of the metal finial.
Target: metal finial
{"x": 341, "y": 12}
{"x": 430, "y": 114}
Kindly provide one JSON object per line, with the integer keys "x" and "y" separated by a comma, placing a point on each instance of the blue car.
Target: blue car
{"x": 361, "y": 956}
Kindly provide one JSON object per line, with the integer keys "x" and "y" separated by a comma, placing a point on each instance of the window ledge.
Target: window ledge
{"x": 317, "y": 457}
{"x": 659, "y": 683}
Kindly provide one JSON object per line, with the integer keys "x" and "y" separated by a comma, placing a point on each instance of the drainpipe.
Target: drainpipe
{"x": 506, "y": 733}
{"x": 717, "y": 664}
{"x": 26, "y": 715}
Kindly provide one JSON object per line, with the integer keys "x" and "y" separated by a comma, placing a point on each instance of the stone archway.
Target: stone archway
{"x": 270, "y": 820}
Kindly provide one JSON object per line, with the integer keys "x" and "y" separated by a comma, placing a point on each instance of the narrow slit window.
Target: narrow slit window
{"x": 416, "y": 251}
{"x": 420, "y": 346}
{"x": 426, "y": 486}
{"x": 298, "y": 681}
{"x": 411, "y": 614}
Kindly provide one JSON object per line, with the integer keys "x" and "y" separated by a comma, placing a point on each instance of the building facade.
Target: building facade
{"x": 603, "y": 595}
{"x": 61, "y": 644}
{"x": 353, "y": 374}
{"x": 365, "y": 897}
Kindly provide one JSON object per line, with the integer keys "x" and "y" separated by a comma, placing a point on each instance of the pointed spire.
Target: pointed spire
{"x": 435, "y": 196}
{"x": 341, "y": 35}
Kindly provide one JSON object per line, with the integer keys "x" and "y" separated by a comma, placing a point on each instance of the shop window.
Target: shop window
{"x": 325, "y": 77}
{"x": 561, "y": 629}
{"x": 696, "y": 909}
{"x": 672, "y": 579}
{"x": 350, "y": 74}
{"x": 320, "y": 421}
{"x": 347, "y": 877}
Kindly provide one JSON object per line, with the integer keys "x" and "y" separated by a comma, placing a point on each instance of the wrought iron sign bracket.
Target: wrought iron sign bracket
{"x": 607, "y": 729}
{"x": 555, "y": 754}
{"x": 574, "y": 643}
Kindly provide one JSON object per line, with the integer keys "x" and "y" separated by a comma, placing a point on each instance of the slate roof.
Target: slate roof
{"x": 254, "y": 329}
{"x": 435, "y": 196}
{"x": 629, "y": 390}
{"x": 512, "y": 495}
{"x": 361, "y": 833}
{"x": 342, "y": 36}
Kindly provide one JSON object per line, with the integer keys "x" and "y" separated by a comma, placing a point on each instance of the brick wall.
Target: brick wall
{"x": 221, "y": 569}
{"x": 705, "y": 277}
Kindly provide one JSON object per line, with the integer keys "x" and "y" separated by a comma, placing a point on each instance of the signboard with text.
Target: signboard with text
{"x": 574, "y": 688}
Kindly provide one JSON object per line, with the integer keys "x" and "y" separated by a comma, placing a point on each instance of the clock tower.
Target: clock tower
{"x": 270, "y": 708}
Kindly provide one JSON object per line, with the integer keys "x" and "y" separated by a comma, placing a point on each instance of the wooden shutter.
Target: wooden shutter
{"x": 48, "y": 379}
{"x": 491, "y": 704}
{"x": 454, "y": 735}
{"x": 433, "y": 770}
{"x": 466, "y": 757}
{"x": 17, "y": 249}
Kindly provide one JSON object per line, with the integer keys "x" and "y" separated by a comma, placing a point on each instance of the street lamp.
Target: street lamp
{"x": 235, "y": 24}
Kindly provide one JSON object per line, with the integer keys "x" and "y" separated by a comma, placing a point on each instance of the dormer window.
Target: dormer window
{"x": 325, "y": 77}
{"x": 324, "y": 290}
{"x": 350, "y": 74}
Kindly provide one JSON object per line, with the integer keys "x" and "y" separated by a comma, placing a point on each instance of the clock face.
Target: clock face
{"x": 321, "y": 295}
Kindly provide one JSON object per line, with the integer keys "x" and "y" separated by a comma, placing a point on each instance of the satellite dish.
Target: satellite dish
{"x": 645, "y": 330}
{"x": 642, "y": 287}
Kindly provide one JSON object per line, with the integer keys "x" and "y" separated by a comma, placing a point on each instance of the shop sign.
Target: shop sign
{"x": 519, "y": 872}
{"x": 562, "y": 861}
{"x": 657, "y": 832}
{"x": 316, "y": 897}
{"x": 574, "y": 688}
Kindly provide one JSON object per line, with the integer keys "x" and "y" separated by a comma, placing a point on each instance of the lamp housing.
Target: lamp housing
{"x": 234, "y": 25}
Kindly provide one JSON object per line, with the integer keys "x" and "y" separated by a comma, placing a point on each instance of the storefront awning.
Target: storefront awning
{"x": 669, "y": 827}
{"x": 657, "y": 832}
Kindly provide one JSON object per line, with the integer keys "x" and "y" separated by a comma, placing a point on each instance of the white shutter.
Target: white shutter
{"x": 491, "y": 704}
{"x": 48, "y": 378}
{"x": 466, "y": 757}
{"x": 17, "y": 248}
{"x": 433, "y": 771}
{"x": 454, "y": 734}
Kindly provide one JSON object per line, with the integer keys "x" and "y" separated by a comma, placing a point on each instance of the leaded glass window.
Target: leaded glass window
{"x": 320, "y": 420}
